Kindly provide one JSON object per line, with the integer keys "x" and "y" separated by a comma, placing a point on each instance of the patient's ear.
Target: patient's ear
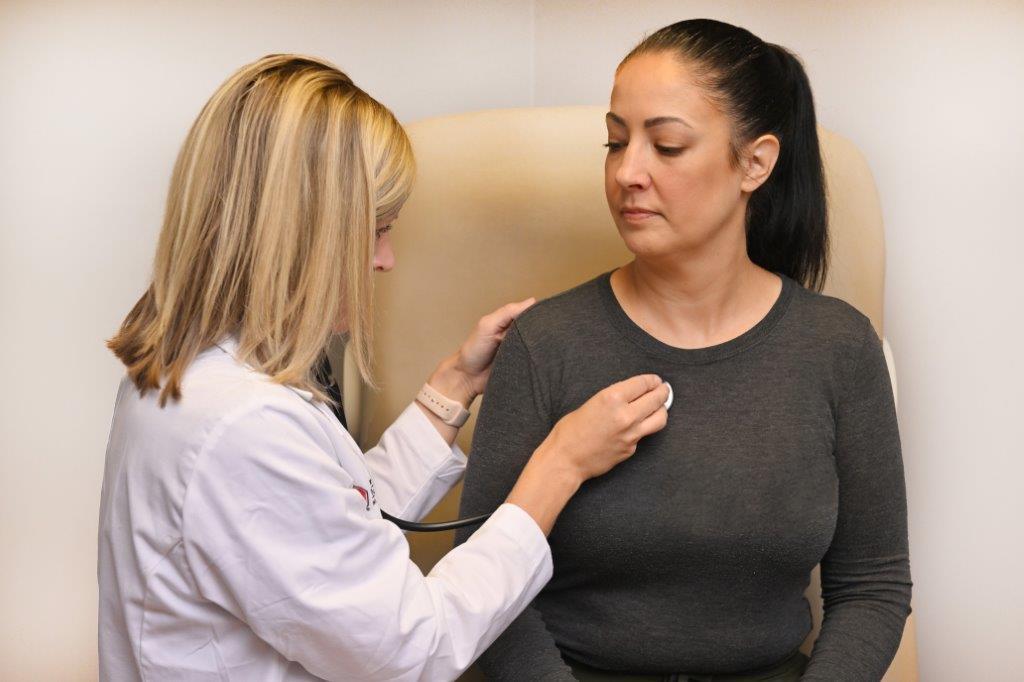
{"x": 758, "y": 161}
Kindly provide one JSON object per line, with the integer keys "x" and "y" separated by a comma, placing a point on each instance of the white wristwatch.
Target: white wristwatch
{"x": 449, "y": 411}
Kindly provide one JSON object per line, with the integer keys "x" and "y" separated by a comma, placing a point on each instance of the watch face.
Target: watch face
{"x": 460, "y": 418}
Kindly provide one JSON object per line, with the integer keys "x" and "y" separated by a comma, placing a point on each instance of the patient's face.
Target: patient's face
{"x": 670, "y": 182}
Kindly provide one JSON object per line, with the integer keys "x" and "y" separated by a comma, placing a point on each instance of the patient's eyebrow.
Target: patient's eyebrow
{"x": 649, "y": 123}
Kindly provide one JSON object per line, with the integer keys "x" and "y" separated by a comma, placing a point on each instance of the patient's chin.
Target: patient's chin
{"x": 655, "y": 245}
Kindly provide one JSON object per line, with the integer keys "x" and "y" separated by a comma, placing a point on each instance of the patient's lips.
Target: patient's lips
{"x": 636, "y": 214}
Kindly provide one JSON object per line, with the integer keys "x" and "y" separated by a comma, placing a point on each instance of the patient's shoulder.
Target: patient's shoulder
{"x": 565, "y": 319}
{"x": 829, "y": 317}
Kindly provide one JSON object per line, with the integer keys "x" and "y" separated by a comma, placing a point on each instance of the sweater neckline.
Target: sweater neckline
{"x": 694, "y": 356}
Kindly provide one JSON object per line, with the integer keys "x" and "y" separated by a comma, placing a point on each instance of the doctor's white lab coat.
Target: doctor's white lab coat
{"x": 241, "y": 539}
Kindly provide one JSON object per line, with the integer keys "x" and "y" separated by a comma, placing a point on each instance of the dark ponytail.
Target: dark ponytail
{"x": 764, "y": 89}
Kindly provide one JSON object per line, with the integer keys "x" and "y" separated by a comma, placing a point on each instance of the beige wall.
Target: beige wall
{"x": 96, "y": 99}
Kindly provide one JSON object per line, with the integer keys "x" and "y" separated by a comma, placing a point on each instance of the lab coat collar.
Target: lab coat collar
{"x": 229, "y": 345}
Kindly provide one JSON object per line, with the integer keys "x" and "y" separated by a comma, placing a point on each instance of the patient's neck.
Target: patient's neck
{"x": 698, "y": 301}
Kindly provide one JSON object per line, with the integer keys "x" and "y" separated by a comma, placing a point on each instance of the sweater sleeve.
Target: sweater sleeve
{"x": 515, "y": 417}
{"x": 865, "y": 574}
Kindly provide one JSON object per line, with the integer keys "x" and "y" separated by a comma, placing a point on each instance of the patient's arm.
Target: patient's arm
{"x": 865, "y": 575}
{"x": 514, "y": 419}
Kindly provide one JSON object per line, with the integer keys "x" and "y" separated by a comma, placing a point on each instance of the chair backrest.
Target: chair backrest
{"x": 510, "y": 204}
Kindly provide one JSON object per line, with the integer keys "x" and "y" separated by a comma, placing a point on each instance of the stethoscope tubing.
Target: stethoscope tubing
{"x": 418, "y": 527}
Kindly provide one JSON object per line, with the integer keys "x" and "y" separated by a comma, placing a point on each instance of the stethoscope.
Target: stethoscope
{"x": 418, "y": 527}
{"x": 470, "y": 520}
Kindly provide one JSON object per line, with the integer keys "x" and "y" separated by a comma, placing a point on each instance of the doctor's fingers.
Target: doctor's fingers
{"x": 653, "y": 423}
{"x": 634, "y": 388}
{"x": 497, "y": 322}
{"x": 648, "y": 403}
{"x": 648, "y": 413}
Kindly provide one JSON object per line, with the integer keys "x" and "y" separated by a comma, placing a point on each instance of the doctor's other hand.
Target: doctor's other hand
{"x": 588, "y": 442}
{"x": 463, "y": 375}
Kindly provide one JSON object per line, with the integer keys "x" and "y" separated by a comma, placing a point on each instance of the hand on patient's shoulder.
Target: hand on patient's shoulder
{"x": 473, "y": 361}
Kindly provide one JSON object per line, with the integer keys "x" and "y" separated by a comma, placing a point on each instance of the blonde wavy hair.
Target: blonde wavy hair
{"x": 269, "y": 229}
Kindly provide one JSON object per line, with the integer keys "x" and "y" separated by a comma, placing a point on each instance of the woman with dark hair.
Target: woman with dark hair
{"x": 781, "y": 449}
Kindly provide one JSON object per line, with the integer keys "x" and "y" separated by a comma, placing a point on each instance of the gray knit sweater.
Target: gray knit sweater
{"x": 781, "y": 451}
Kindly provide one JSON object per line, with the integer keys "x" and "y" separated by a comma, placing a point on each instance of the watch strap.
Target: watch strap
{"x": 449, "y": 411}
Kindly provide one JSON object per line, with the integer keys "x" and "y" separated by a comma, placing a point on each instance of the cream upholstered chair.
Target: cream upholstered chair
{"x": 510, "y": 204}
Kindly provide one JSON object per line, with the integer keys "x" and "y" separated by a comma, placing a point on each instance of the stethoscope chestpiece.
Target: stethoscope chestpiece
{"x": 671, "y": 395}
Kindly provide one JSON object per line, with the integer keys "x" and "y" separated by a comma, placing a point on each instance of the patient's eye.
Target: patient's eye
{"x": 383, "y": 231}
{"x": 614, "y": 146}
{"x": 669, "y": 151}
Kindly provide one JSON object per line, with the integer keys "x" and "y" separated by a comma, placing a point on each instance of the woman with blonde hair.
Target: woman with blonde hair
{"x": 241, "y": 534}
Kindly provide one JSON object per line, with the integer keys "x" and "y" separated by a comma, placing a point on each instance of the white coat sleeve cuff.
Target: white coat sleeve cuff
{"x": 519, "y": 525}
{"x": 413, "y": 467}
{"x": 499, "y": 570}
{"x": 446, "y": 455}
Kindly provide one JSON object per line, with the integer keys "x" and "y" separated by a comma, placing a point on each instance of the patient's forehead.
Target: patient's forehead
{"x": 658, "y": 84}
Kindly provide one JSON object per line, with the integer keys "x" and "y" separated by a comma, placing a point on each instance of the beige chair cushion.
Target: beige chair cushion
{"x": 510, "y": 204}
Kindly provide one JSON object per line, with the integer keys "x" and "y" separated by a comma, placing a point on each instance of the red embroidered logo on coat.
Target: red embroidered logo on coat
{"x": 366, "y": 496}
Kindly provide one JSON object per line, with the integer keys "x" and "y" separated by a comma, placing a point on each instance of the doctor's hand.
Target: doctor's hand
{"x": 605, "y": 430}
{"x": 588, "y": 442}
{"x": 463, "y": 375}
